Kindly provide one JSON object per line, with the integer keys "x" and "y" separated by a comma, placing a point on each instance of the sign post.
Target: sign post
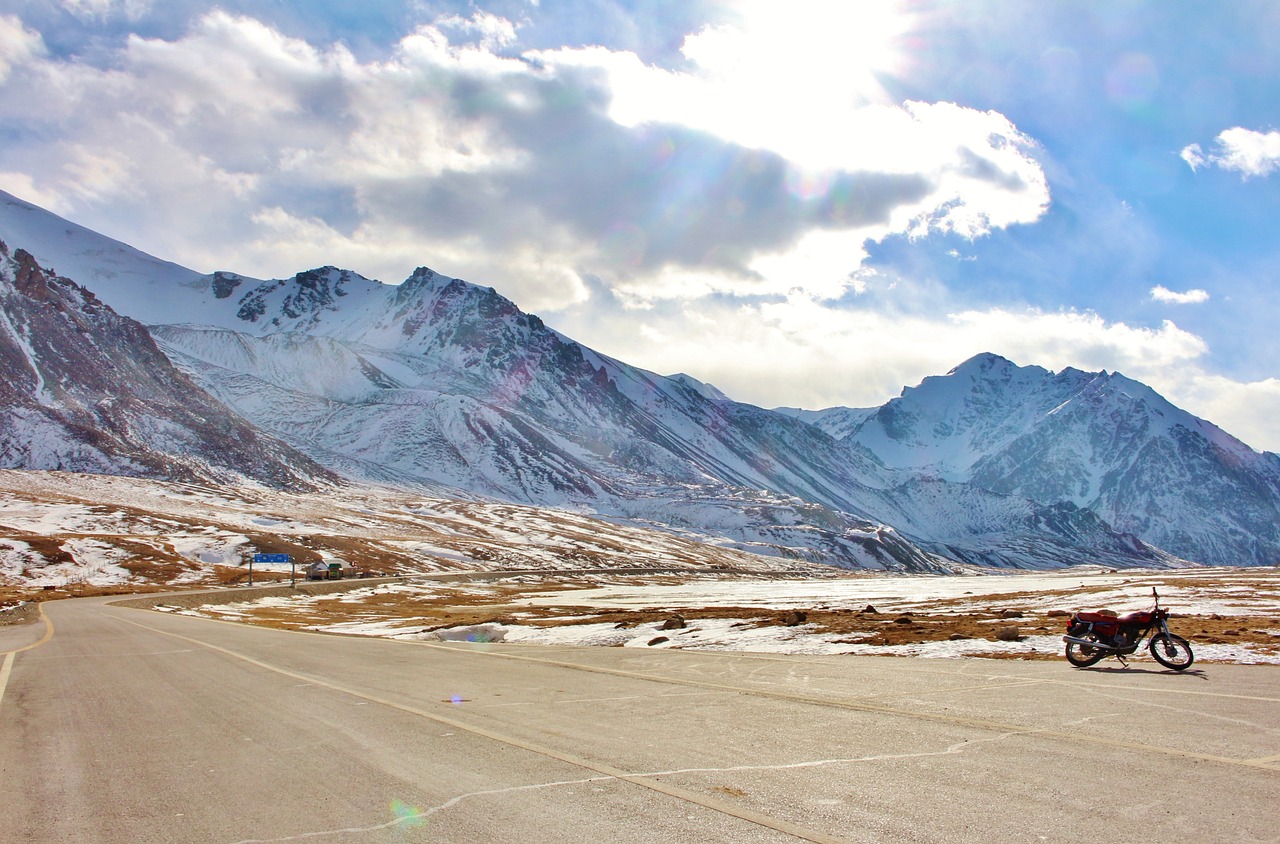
{"x": 274, "y": 558}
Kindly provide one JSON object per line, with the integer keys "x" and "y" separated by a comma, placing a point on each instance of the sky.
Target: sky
{"x": 806, "y": 204}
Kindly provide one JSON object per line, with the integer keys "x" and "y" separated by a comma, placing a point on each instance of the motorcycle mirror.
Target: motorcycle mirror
{"x": 1153, "y": 592}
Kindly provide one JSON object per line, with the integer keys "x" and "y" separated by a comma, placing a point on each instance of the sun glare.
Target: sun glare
{"x": 810, "y": 48}
{"x": 787, "y": 78}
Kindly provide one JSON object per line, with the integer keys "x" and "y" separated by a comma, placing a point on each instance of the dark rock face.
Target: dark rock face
{"x": 224, "y": 284}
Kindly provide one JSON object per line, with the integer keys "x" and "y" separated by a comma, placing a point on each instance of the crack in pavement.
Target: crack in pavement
{"x": 422, "y": 814}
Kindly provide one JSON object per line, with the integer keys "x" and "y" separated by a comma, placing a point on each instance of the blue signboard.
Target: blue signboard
{"x": 272, "y": 558}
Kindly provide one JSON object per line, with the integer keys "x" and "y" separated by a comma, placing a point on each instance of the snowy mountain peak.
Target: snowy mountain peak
{"x": 299, "y": 303}
{"x": 703, "y": 389}
{"x": 418, "y": 279}
{"x": 1097, "y": 440}
{"x": 982, "y": 365}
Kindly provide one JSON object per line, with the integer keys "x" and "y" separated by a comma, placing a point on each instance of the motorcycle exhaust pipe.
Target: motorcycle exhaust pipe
{"x": 1097, "y": 646}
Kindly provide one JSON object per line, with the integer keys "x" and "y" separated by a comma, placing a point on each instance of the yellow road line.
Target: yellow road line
{"x": 48, "y": 633}
{"x": 10, "y": 655}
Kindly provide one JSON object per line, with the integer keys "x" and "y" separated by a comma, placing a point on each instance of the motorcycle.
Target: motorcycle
{"x": 1093, "y": 636}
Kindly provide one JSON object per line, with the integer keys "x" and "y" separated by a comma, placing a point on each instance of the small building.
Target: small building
{"x": 318, "y": 571}
{"x": 325, "y": 570}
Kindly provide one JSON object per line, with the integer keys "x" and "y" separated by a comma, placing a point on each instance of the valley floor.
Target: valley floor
{"x": 1229, "y": 615}
{"x": 567, "y": 578}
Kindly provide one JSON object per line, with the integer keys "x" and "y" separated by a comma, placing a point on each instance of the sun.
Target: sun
{"x": 789, "y": 78}
{"x": 782, "y": 50}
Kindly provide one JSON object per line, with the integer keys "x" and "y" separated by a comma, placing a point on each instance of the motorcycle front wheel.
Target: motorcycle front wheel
{"x": 1171, "y": 651}
{"x": 1082, "y": 656}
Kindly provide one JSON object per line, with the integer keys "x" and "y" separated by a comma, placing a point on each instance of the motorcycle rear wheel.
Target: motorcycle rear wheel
{"x": 1082, "y": 656}
{"x": 1171, "y": 651}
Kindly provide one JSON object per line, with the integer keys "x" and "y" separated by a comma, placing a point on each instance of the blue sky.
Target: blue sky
{"x": 805, "y": 204}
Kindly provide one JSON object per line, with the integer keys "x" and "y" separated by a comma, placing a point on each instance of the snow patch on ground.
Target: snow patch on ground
{"x": 1122, "y": 591}
{"x": 890, "y": 594}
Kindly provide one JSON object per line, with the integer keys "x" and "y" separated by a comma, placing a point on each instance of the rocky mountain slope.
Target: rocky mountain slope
{"x": 462, "y": 390}
{"x": 443, "y": 384}
{"x": 87, "y": 390}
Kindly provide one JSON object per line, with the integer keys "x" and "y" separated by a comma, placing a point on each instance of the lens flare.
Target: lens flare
{"x": 406, "y": 815}
{"x": 805, "y": 185}
{"x": 1132, "y": 81}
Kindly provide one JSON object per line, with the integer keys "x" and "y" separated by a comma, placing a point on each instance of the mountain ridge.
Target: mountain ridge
{"x": 448, "y": 384}
{"x": 1101, "y": 441}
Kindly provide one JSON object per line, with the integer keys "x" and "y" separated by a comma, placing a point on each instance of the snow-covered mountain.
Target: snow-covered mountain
{"x": 441, "y": 383}
{"x": 1098, "y": 440}
{"x": 87, "y": 390}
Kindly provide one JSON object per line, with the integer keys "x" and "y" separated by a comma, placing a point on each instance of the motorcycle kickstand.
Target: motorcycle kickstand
{"x": 1124, "y": 663}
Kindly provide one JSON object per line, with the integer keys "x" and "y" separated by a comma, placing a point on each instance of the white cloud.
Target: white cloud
{"x": 808, "y": 353}
{"x": 1244, "y": 151}
{"x": 20, "y": 184}
{"x": 816, "y": 104}
{"x": 1081, "y": 339}
{"x": 1194, "y": 156}
{"x": 737, "y": 177}
{"x": 1160, "y": 293}
{"x": 1244, "y": 409}
{"x": 18, "y": 45}
{"x": 188, "y": 148}
{"x": 493, "y": 32}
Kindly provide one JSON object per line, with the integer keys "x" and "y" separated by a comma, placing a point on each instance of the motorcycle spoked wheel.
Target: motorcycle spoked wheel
{"x": 1171, "y": 651}
{"x": 1082, "y": 656}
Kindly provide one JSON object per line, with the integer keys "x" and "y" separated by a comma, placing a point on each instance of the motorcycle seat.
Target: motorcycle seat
{"x": 1105, "y": 616}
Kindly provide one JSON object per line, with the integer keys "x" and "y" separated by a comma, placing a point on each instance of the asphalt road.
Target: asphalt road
{"x": 124, "y": 725}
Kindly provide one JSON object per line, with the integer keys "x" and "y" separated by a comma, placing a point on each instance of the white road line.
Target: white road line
{"x": 854, "y": 704}
{"x": 4, "y": 673}
{"x": 609, "y": 771}
{"x": 9, "y": 655}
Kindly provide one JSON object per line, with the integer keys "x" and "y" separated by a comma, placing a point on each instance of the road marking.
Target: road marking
{"x": 413, "y": 818}
{"x": 562, "y": 701}
{"x": 849, "y": 704}
{"x": 10, "y": 655}
{"x": 4, "y": 673}
{"x": 420, "y": 815}
{"x": 767, "y": 821}
{"x": 48, "y": 633}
